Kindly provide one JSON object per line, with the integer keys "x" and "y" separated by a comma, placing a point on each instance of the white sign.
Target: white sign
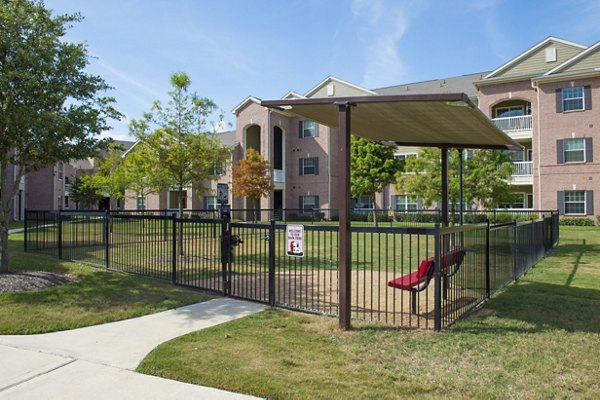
{"x": 295, "y": 240}
{"x": 222, "y": 193}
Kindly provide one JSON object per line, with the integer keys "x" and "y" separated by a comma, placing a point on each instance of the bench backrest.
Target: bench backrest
{"x": 450, "y": 259}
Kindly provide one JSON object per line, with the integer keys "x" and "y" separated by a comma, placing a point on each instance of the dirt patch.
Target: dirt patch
{"x": 24, "y": 281}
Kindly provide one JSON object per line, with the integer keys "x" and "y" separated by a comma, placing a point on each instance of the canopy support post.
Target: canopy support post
{"x": 345, "y": 235}
{"x": 445, "y": 202}
{"x": 460, "y": 185}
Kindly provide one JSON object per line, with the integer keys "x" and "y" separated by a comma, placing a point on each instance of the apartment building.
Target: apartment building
{"x": 542, "y": 98}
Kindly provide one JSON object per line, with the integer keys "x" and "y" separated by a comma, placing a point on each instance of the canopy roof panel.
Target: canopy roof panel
{"x": 435, "y": 120}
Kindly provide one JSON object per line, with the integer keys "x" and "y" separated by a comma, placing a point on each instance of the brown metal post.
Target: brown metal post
{"x": 345, "y": 288}
{"x": 445, "y": 218}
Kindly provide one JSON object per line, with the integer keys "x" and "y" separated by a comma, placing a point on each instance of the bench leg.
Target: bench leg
{"x": 413, "y": 298}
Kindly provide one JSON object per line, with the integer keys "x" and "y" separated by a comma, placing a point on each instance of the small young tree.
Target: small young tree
{"x": 182, "y": 145}
{"x": 86, "y": 191}
{"x": 372, "y": 167}
{"x": 485, "y": 177}
{"x": 51, "y": 109}
{"x": 251, "y": 178}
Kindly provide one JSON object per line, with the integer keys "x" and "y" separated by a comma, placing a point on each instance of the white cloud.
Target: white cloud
{"x": 381, "y": 24}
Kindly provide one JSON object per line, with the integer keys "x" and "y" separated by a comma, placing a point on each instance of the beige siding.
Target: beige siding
{"x": 339, "y": 90}
{"x": 590, "y": 61}
{"x": 536, "y": 61}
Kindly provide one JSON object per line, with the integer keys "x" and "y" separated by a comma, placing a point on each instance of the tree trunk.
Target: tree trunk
{"x": 374, "y": 210}
{"x": 5, "y": 209}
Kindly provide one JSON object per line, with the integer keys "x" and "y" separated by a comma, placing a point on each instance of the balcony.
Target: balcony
{"x": 278, "y": 176}
{"x": 522, "y": 173}
{"x": 516, "y": 127}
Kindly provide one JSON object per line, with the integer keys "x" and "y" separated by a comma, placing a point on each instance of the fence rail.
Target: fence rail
{"x": 410, "y": 276}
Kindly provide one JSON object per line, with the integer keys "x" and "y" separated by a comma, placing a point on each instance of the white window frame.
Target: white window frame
{"x": 565, "y": 99}
{"x": 510, "y": 108}
{"x": 367, "y": 205}
{"x": 406, "y": 204}
{"x": 141, "y": 202}
{"x": 214, "y": 205}
{"x": 565, "y": 141}
{"x": 314, "y": 166}
{"x": 313, "y": 201}
{"x": 584, "y": 202}
{"x": 312, "y": 129}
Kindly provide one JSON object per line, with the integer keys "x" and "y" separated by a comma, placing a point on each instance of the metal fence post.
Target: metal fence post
{"x": 25, "y": 232}
{"x": 437, "y": 310}
{"x": 59, "y": 227}
{"x": 272, "y": 263}
{"x": 224, "y": 255}
{"x": 515, "y": 250}
{"x": 487, "y": 260}
{"x": 107, "y": 227}
{"x": 174, "y": 247}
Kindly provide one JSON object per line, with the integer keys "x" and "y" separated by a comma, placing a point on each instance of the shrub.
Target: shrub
{"x": 577, "y": 222}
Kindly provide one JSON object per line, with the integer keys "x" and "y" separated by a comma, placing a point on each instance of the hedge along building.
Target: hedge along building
{"x": 438, "y": 120}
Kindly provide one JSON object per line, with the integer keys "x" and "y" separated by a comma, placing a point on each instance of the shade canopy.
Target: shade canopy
{"x": 448, "y": 120}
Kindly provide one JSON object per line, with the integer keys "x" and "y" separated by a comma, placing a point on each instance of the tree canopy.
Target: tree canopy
{"x": 485, "y": 177}
{"x": 372, "y": 167}
{"x": 180, "y": 142}
{"x": 51, "y": 109}
{"x": 251, "y": 176}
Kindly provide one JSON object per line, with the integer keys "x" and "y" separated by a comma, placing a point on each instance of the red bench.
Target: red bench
{"x": 418, "y": 280}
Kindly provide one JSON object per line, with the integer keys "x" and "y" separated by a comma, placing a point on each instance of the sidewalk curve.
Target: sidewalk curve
{"x": 98, "y": 361}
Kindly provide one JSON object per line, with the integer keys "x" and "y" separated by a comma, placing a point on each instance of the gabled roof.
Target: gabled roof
{"x": 292, "y": 95}
{"x": 573, "y": 60}
{"x": 246, "y": 101}
{"x": 333, "y": 79}
{"x": 531, "y": 50}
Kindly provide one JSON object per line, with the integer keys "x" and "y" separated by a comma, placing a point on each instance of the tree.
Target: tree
{"x": 182, "y": 149}
{"x": 372, "y": 167}
{"x": 485, "y": 177}
{"x": 50, "y": 109}
{"x": 86, "y": 191}
{"x": 251, "y": 177}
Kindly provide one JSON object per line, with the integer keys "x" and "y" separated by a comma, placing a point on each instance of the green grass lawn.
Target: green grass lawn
{"x": 97, "y": 296}
{"x": 539, "y": 338}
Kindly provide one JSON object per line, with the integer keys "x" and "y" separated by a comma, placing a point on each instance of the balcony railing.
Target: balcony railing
{"x": 523, "y": 168}
{"x": 279, "y": 176}
{"x": 513, "y": 124}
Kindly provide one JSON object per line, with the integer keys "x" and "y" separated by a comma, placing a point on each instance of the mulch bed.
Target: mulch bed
{"x": 22, "y": 281}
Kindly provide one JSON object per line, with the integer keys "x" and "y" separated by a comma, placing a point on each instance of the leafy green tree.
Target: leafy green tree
{"x": 251, "y": 177}
{"x": 86, "y": 192}
{"x": 182, "y": 144}
{"x": 485, "y": 177}
{"x": 51, "y": 109}
{"x": 372, "y": 167}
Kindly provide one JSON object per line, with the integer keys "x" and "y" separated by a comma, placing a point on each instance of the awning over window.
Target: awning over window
{"x": 438, "y": 120}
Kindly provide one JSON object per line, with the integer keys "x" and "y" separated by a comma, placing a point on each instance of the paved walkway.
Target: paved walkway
{"x": 97, "y": 362}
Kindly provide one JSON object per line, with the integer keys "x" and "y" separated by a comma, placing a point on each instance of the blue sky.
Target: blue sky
{"x": 235, "y": 48}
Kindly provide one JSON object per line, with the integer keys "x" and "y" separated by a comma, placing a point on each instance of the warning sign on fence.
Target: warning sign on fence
{"x": 295, "y": 240}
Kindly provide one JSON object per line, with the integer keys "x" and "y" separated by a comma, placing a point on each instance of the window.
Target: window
{"x": 575, "y": 202}
{"x": 573, "y": 99}
{"x": 309, "y": 166}
{"x": 174, "y": 199}
{"x": 308, "y": 129}
{"x": 574, "y": 150}
{"x": 60, "y": 170}
{"x": 219, "y": 169}
{"x": 210, "y": 203}
{"x": 66, "y": 201}
{"x": 406, "y": 203}
{"x": 514, "y": 111}
{"x": 364, "y": 202}
{"x": 404, "y": 157}
{"x": 308, "y": 203}
{"x": 141, "y": 203}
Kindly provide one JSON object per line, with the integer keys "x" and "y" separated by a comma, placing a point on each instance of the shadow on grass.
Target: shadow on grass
{"x": 536, "y": 307}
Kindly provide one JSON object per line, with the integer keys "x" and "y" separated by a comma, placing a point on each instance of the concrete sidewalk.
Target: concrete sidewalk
{"x": 98, "y": 361}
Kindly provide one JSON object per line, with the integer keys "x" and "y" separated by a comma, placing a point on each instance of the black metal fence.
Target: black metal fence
{"x": 409, "y": 276}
